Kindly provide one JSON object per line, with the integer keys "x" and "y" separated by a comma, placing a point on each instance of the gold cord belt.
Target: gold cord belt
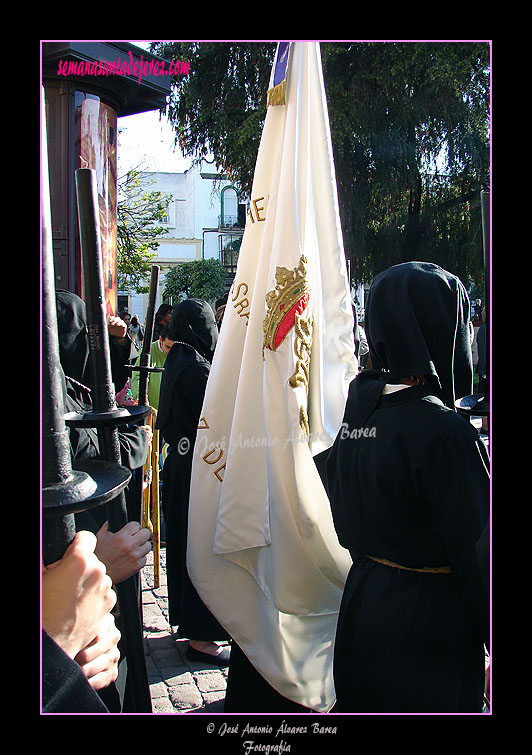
{"x": 430, "y": 569}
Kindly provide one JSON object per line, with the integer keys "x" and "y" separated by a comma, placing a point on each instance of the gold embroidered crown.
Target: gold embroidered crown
{"x": 288, "y": 298}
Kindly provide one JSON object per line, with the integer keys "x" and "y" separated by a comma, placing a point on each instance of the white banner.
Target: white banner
{"x": 262, "y": 550}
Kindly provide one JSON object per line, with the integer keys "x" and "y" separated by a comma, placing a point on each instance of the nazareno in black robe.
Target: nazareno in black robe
{"x": 74, "y": 357}
{"x": 74, "y": 347}
{"x": 408, "y": 482}
{"x": 183, "y": 385}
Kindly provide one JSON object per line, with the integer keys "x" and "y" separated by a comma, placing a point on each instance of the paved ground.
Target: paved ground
{"x": 177, "y": 685}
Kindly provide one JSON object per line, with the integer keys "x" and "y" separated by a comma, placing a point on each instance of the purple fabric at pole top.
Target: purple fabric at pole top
{"x": 281, "y": 62}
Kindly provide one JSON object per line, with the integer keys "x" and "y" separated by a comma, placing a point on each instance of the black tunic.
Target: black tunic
{"x": 65, "y": 688}
{"x": 183, "y": 386}
{"x": 74, "y": 356}
{"x": 414, "y": 491}
{"x": 84, "y": 444}
{"x": 408, "y": 482}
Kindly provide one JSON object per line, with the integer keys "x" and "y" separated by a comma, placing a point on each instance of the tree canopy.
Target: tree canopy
{"x": 410, "y": 133}
{"x": 203, "y": 279}
{"x": 139, "y": 214}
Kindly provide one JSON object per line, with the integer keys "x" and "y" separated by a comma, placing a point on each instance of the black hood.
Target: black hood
{"x": 417, "y": 323}
{"x": 193, "y": 323}
{"x": 72, "y": 334}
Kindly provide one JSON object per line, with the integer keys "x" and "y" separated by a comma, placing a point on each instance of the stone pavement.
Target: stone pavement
{"x": 177, "y": 685}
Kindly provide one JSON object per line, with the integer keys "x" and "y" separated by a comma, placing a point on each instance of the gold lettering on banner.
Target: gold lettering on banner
{"x": 219, "y": 470}
{"x": 256, "y": 217}
{"x": 242, "y": 306}
{"x": 208, "y": 460}
{"x": 208, "y": 454}
{"x": 205, "y": 426}
{"x": 258, "y": 209}
{"x": 240, "y": 286}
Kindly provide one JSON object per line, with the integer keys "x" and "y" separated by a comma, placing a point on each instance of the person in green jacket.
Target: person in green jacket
{"x": 158, "y": 353}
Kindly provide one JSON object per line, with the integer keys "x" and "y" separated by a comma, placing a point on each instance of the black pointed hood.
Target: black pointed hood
{"x": 194, "y": 330}
{"x": 193, "y": 323}
{"x": 72, "y": 335}
{"x": 417, "y": 323}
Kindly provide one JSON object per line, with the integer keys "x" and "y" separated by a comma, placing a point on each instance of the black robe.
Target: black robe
{"x": 84, "y": 444}
{"x": 183, "y": 386}
{"x": 74, "y": 357}
{"x": 65, "y": 688}
{"x": 74, "y": 346}
{"x": 408, "y": 482}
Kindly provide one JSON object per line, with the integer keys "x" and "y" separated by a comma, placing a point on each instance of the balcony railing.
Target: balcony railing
{"x": 229, "y": 221}
{"x": 229, "y": 260}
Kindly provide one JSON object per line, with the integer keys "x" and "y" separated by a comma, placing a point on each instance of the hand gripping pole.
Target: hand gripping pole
{"x": 106, "y": 417}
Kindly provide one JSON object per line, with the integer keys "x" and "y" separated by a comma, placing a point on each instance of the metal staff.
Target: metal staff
{"x": 478, "y": 404}
{"x": 65, "y": 491}
{"x": 151, "y": 493}
{"x": 144, "y": 361}
{"x": 106, "y": 417}
{"x": 144, "y": 369}
{"x": 485, "y": 199}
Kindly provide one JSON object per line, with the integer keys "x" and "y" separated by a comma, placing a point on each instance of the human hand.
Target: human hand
{"x": 116, "y": 327}
{"x": 123, "y": 552}
{"x": 99, "y": 660}
{"x": 149, "y": 432}
{"x": 76, "y": 595}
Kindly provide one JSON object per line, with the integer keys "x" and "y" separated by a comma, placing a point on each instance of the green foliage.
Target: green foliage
{"x": 139, "y": 212}
{"x": 201, "y": 279}
{"x": 410, "y": 132}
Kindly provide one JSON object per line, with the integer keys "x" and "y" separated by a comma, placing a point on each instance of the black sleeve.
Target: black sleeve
{"x": 194, "y": 386}
{"x": 457, "y": 484}
{"x": 133, "y": 446}
{"x": 123, "y": 353}
{"x": 64, "y": 686}
{"x": 84, "y": 443}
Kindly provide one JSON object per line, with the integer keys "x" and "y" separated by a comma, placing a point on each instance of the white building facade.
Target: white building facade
{"x": 205, "y": 220}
